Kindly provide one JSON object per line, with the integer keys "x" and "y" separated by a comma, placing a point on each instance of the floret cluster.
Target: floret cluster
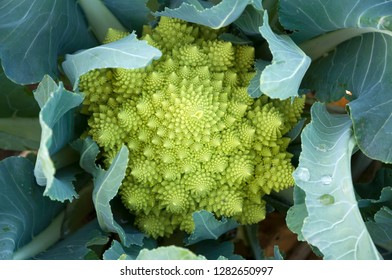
{"x": 196, "y": 138}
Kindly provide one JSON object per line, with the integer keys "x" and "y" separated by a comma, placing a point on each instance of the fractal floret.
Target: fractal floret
{"x": 196, "y": 139}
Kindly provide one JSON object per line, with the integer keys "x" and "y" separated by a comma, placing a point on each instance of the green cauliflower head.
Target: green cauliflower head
{"x": 196, "y": 139}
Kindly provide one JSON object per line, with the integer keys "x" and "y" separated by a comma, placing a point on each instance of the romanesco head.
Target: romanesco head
{"x": 196, "y": 139}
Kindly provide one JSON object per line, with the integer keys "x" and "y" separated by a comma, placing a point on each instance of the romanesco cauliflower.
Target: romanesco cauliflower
{"x": 196, "y": 139}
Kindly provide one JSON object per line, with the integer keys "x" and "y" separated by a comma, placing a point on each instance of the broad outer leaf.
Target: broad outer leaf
{"x": 334, "y": 224}
{"x": 283, "y": 77}
{"x": 208, "y": 227}
{"x": 361, "y": 67}
{"x": 57, "y": 124}
{"x": 168, "y": 253}
{"x": 312, "y": 18}
{"x": 33, "y": 34}
{"x": 24, "y": 212}
{"x": 218, "y": 16}
{"x": 128, "y": 52}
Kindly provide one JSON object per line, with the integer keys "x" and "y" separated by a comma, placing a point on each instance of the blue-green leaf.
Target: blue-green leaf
{"x": 168, "y": 253}
{"x": 19, "y": 134}
{"x": 76, "y": 246}
{"x": 385, "y": 199}
{"x": 381, "y": 228}
{"x": 132, "y": 14}
{"x": 360, "y": 70}
{"x": 57, "y": 124}
{"x": 24, "y": 212}
{"x": 88, "y": 150}
{"x": 214, "y": 250}
{"x": 19, "y": 125}
{"x": 334, "y": 224}
{"x": 295, "y": 219}
{"x": 250, "y": 21}
{"x": 283, "y": 77}
{"x": 33, "y": 34}
{"x": 208, "y": 227}
{"x": 17, "y": 100}
{"x": 129, "y": 52}
{"x": 254, "y": 85}
{"x": 215, "y": 17}
{"x": 311, "y": 18}
{"x": 106, "y": 186}
{"x": 119, "y": 252}
{"x": 297, "y": 213}
{"x": 278, "y": 254}
{"x": 372, "y": 190}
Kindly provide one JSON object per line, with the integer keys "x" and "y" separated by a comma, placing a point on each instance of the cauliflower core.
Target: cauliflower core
{"x": 196, "y": 139}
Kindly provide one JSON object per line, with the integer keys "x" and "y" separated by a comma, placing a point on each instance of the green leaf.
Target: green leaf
{"x": 33, "y": 34}
{"x": 282, "y": 78}
{"x": 250, "y": 21}
{"x": 376, "y": 194}
{"x": 334, "y": 224}
{"x": 373, "y": 189}
{"x": 24, "y": 212}
{"x": 252, "y": 235}
{"x": 57, "y": 124}
{"x": 295, "y": 219}
{"x": 129, "y": 52}
{"x": 297, "y": 213}
{"x": 76, "y": 246}
{"x": 254, "y": 85}
{"x": 361, "y": 67}
{"x": 106, "y": 185}
{"x": 168, "y": 253}
{"x": 19, "y": 134}
{"x": 214, "y": 250}
{"x": 119, "y": 252}
{"x": 385, "y": 199}
{"x": 132, "y": 14}
{"x": 19, "y": 126}
{"x": 318, "y": 17}
{"x": 278, "y": 254}
{"x": 88, "y": 150}
{"x": 208, "y": 227}
{"x": 218, "y": 16}
{"x": 17, "y": 100}
{"x": 381, "y": 228}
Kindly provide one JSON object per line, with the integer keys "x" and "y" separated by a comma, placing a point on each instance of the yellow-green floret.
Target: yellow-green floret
{"x": 196, "y": 139}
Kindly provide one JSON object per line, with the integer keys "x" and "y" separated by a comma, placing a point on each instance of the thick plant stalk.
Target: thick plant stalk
{"x": 42, "y": 241}
{"x": 100, "y": 18}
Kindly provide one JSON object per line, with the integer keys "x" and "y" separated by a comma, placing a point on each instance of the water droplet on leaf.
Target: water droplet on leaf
{"x": 321, "y": 148}
{"x": 326, "y": 199}
{"x": 326, "y": 180}
{"x": 302, "y": 174}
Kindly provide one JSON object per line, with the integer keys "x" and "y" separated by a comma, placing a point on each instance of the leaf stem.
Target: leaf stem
{"x": 321, "y": 45}
{"x": 100, "y": 18}
{"x": 42, "y": 241}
